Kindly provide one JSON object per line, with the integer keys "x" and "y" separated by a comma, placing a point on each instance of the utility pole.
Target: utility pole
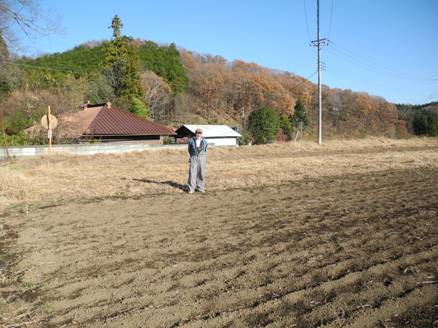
{"x": 243, "y": 118}
{"x": 318, "y": 43}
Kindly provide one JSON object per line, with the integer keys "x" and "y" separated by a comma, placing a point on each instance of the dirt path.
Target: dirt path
{"x": 358, "y": 250}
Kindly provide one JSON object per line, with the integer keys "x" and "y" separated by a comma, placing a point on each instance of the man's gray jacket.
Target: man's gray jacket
{"x": 192, "y": 147}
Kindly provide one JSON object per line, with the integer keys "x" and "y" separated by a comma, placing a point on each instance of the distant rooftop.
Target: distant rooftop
{"x": 105, "y": 120}
{"x": 209, "y": 131}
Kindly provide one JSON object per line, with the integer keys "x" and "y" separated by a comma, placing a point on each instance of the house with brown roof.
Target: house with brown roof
{"x": 104, "y": 122}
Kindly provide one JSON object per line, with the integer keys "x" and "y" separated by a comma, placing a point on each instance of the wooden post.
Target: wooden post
{"x": 4, "y": 137}
{"x": 49, "y": 131}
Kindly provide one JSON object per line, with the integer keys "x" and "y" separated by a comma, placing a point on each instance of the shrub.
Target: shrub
{"x": 167, "y": 140}
{"x": 245, "y": 139}
{"x": 263, "y": 125}
{"x": 138, "y": 107}
{"x": 16, "y": 122}
{"x": 426, "y": 123}
{"x": 286, "y": 127}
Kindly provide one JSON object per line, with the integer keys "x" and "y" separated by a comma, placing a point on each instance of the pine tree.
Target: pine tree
{"x": 263, "y": 124}
{"x": 299, "y": 116}
{"x": 122, "y": 66}
{"x": 117, "y": 25}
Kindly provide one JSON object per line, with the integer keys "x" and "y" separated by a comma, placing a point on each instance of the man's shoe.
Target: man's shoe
{"x": 190, "y": 191}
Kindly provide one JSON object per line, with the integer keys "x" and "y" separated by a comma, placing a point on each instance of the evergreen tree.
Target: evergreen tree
{"x": 425, "y": 122}
{"x": 122, "y": 66}
{"x": 117, "y": 25}
{"x": 299, "y": 116}
{"x": 166, "y": 63}
{"x": 263, "y": 124}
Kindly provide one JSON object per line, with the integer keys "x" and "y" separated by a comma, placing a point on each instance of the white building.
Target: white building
{"x": 218, "y": 135}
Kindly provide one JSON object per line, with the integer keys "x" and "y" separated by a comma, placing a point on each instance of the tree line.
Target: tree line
{"x": 420, "y": 119}
{"x": 231, "y": 91}
{"x": 174, "y": 86}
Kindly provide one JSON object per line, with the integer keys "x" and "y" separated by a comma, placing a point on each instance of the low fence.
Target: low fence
{"x": 84, "y": 149}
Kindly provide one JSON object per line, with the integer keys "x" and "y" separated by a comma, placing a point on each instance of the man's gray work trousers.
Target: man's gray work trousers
{"x": 197, "y": 173}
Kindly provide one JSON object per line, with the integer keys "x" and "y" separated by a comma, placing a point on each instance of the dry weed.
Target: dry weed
{"x": 55, "y": 178}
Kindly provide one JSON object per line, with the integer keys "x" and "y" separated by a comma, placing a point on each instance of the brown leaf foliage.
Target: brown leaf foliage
{"x": 226, "y": 91}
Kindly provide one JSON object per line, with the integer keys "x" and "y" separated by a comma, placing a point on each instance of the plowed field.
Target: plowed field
{"x": 348, "y": 250}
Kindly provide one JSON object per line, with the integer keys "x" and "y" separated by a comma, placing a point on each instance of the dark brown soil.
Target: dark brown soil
{"x": 347, "y": 251}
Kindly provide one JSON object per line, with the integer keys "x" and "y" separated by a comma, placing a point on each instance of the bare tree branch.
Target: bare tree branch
{"x": 23, "y": 16}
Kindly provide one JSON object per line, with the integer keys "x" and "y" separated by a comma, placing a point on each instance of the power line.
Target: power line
{"x": 44, "y": 67}
{"x": 307, "y": 23}
{"x": 307, "y": 79}
{"x": 331, "y": 19}
{"x": 356, "y": 61}
{"x": 372, "y": 65}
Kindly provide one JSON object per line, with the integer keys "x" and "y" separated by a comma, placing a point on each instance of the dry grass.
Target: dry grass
{"x": 51, "y": 179}
{"x": 355, "y": 246}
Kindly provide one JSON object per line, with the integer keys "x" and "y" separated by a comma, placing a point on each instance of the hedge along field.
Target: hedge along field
{"x": 339, "y": 235}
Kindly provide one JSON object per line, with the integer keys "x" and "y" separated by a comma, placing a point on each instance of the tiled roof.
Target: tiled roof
{"x": 102, "y": 120}
{"x": 73, "y": 125}
{"x": 116, "y": 122}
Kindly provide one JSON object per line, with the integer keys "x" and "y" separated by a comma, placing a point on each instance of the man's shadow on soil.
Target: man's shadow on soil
{"x": 167, "y": 182}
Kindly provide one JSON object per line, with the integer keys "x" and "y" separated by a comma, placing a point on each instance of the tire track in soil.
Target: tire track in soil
{"x": 245, "y": 257}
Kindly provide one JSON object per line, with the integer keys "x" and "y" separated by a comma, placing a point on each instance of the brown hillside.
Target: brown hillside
{"x": 224, "y": 91}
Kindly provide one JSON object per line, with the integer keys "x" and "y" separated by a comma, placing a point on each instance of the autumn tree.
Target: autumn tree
{"x": 158, "y": 95}
{"x": 17, "y": 17}
{"x": 99, "y": 90}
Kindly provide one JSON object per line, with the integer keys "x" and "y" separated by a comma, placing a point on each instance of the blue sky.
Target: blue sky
{"x": 388, "y": 48}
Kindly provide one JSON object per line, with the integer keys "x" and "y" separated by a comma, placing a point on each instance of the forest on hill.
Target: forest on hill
{"x": 174, "y": 86}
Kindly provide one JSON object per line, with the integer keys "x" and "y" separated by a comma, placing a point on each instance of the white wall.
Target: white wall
{"x": 85, "y": 149}
{"x": 103, "y": 148}
{"x": 222, "y": 141}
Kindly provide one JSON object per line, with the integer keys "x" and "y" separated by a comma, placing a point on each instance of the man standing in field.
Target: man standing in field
{"x": 198, "y": 152}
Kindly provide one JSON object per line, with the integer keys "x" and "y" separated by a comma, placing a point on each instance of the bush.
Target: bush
{"x": 426, "y": 123}
{"x": 245, "y": 139}
{"x": 138, "y": 107}
{"x": 263, "y": 125}
{"x": 286, "y": 127}
{"x": 21, "y": 139}
{"x": 16, "y": 122}
{"x": 167, "y": 140}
